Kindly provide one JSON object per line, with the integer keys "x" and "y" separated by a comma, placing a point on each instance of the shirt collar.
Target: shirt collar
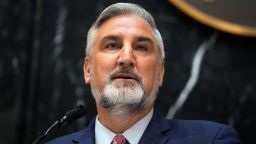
{"x": 105, "y": 136}
{"x": 102, "y": 134}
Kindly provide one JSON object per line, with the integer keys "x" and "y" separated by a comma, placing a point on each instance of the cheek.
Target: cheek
{"x": 148, "y": 72}
{"x": 102, "y": 67}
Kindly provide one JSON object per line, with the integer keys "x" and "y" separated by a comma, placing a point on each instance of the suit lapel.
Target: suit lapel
{"x": 156, "y": 131}
{"x": 88, "y": 136}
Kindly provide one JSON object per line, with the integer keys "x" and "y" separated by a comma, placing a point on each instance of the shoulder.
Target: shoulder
{"x": 67, "y": 139}
{"x": 82, "y": 136}
{"x": 204, "y": 131}
{"x": 187, "y": 126}
{"x": 197, "y": 125}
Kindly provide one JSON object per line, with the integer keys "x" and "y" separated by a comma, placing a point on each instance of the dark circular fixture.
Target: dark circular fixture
{"x": 232, "y": 16}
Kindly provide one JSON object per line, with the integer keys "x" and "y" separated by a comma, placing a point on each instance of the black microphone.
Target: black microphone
{"x": 66, "y": 120}
{"x": 72, "y": 115}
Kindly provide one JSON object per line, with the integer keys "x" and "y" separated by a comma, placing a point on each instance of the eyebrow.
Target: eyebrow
{"x": 144, "y": 38}
{"x": 117, "y": 38}
{"x": 110, "y": 37}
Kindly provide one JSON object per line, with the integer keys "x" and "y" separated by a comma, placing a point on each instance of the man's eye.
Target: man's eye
{"x": 112, "y": 46}
{"x": 142, "y": 48}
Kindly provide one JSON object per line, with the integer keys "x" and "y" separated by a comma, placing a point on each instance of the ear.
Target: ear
{"x": 161, "y": 73}
{"x": 87, "y": 70}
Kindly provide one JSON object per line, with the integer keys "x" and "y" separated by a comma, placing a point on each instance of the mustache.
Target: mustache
{"x": 121, "y": 72}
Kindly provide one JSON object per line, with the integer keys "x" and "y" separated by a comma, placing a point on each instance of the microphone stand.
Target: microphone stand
{"x": 42, "y": 137}
{"x": 69, "y": 116}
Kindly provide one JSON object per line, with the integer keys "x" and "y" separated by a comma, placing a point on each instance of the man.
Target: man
{"x": 124, "y": 66}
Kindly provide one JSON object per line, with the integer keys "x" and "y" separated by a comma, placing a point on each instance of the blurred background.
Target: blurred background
{"x": 210, "y": 70}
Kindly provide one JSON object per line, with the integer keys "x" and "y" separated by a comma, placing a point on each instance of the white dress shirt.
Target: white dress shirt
{"x": 105, "y": 136}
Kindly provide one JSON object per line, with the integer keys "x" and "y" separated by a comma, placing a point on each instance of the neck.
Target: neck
{"x": 120, "y": 123}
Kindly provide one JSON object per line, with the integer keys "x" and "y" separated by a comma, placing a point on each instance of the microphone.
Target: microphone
{"x": 72, "y": 115}
{"x": 66, "y": 120}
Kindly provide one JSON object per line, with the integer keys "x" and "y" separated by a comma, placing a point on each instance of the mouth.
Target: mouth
{"x": 124, "y": 76}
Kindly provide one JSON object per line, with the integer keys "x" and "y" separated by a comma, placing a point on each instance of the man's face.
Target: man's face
{"x": 124, "y": 62}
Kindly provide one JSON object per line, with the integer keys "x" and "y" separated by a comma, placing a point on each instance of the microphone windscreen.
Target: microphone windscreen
{"x": 75, "y": 113}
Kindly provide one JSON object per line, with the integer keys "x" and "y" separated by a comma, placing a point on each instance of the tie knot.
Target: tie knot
{"x": 119, "y": 139}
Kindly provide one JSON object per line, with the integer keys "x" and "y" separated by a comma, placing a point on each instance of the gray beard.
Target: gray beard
{"x": 125, "y": 97}
{"x": 122, "y": 98}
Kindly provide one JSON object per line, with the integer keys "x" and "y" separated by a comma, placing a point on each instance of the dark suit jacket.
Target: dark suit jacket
{"x": 163, "y": 131}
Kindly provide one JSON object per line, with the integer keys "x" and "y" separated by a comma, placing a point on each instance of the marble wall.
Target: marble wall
{"x": 41, "y": 57}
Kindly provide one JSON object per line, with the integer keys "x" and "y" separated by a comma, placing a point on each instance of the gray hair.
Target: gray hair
{"x": 123, "y": 9}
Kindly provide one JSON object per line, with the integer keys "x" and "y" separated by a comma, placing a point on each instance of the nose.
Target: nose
{"x": 127, "y": 57}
